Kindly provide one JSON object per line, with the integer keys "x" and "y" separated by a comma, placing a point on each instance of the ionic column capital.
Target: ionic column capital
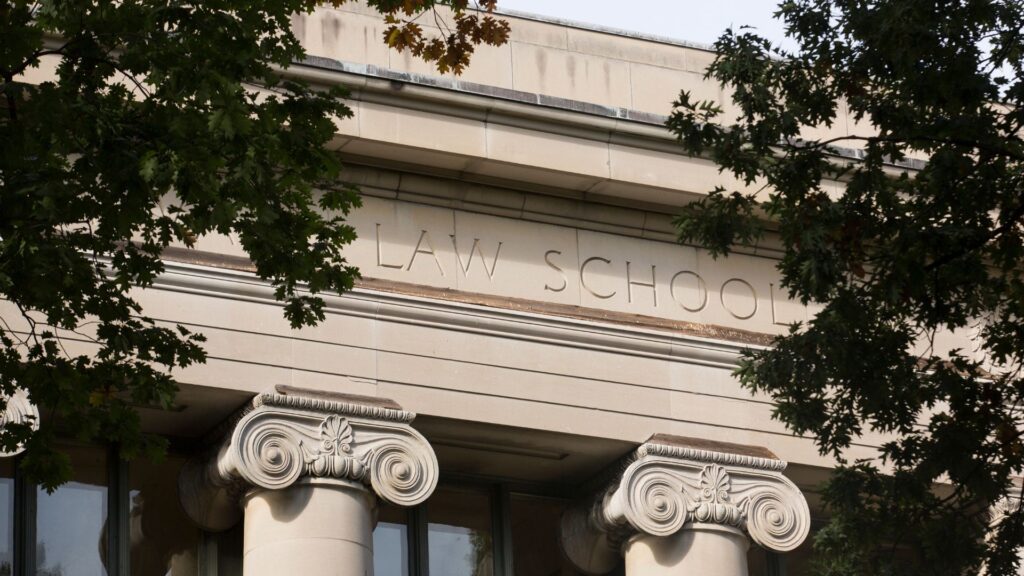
{"x": 19, "y": 410}
{"x": 280, "y": 439}
{"x": 670, "y": 483}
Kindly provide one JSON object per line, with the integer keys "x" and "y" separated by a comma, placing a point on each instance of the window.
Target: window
{"x": 162, "y": 538}
{"x": 536, "y": 548}
{"x": 6, "y": 517}
{"x": 391, "y": 542}
{"x": 110, "y": 519}
{"x": 471, "y": 529}
{"x": 460, "y": 533}
{"x": 73, "y": 536}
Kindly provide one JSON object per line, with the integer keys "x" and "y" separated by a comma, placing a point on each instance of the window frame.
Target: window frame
{"x": 26, "y": 512}
{"x": 417, "y": 521}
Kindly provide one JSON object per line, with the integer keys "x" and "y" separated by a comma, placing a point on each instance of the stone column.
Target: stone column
{"x": 686, "y": 507}
{"x": 308, "y": 471}
{"x": 1007, "y": 509}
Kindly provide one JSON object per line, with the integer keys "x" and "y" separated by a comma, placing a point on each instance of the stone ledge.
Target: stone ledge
{"x": 711, "y": 445}
{"x": 535, "y": 99}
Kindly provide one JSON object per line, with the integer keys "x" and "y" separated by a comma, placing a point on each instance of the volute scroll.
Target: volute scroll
{"x": 281, "y": 439}
{"x": 667, "y": 486}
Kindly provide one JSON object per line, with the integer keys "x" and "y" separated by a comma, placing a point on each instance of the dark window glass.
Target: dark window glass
{"x": 536, "y": 548}
{"x": 798, "y": 562}
{"x": 391, "y": 542}
{"x": 758, "y": 561}
{"x": 228, "y": 550}
{"x": 6, "y": 516}
{"x": 164, "y": 542}
{"x": 71, "y": 535}
{"x": 459, "y": 533}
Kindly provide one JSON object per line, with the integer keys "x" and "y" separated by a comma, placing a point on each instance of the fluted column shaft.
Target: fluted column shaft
{"x": 308, "y": 473}
{"x": 679, "y": 508}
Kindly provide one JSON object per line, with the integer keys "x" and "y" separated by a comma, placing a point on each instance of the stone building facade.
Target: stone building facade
{"x": 532, "y": 379}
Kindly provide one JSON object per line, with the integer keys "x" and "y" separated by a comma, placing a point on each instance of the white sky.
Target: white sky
{"x": 693, "y": 20}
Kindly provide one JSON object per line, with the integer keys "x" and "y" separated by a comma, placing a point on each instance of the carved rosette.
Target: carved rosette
{"x": 668, "y": 488}
{"x": 20, "y": 410}
{"x": 281, "y": 439}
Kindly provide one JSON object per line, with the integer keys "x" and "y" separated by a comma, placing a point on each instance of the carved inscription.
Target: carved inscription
{"x": 701, "y": 291}
{"x": 739, "y": 298}
{"x": 583, "y": 277}
{"x": 425, "y": 248}
{"x": 655, "y": 280}
{"x": 475, "y": 249}
{"x": 564, "y": 281}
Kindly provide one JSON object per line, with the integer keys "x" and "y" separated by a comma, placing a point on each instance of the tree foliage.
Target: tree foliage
{"x": 165, "y": 121}
{"x": 450, "y": 51}
{"x": 897, "y": 253}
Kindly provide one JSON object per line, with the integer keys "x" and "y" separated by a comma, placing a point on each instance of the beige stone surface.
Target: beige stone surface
{"x": 348, "y": 126}
{"x": 542, "y": 33}
{"x": 309, "y": 529}
{"x": 551, "y": 151}
{"x": 572, "y": 75}
{"x": 664, "y": 170}
{"x": 567, "y": 265}
{"x": 491, "y": 65}
{"x": 345, "y": 36}
{"x": 699, "y": 60}
{"x": 491, "y": 375}
{"x": 547, "y": 58}
{"x": 742, "y": 413}
{"x": 45, "y": 71}
{"x": 627, "y": 49}
{"x": 479, "y": 369}
{"x": 397, "y": 240}
{"x": 494, "y": 257}
{"x": 421, "y": 130}
{"x": 709, "y": 551}
{"x": 655, "y": 88}
{"x": 530, "y": 386}
{"x": 426, "y": 360}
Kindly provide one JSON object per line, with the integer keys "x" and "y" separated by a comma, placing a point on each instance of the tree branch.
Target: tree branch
{"x": 1014, "y": 219}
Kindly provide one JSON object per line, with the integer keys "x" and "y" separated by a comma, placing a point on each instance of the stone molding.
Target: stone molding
{"x": 19, "y": 410}
{"x": 667, "y": 487}
{"x": 517, "y": 108}
{"x": 712, "y": 457}
{"x": 673, "y": 346}
{"x": 279, "y": 440}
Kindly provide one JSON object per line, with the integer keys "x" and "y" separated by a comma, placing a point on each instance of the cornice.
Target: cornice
{"x": 610, "y": 30}
{"x": 711, "y": 457}
{"x": 541, "y": 112}
{"x": 333, "y": 407}
{"x": 665, "y": 344}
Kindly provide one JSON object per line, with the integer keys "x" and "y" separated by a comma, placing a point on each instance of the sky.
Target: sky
{"x": 692, "y": 20}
